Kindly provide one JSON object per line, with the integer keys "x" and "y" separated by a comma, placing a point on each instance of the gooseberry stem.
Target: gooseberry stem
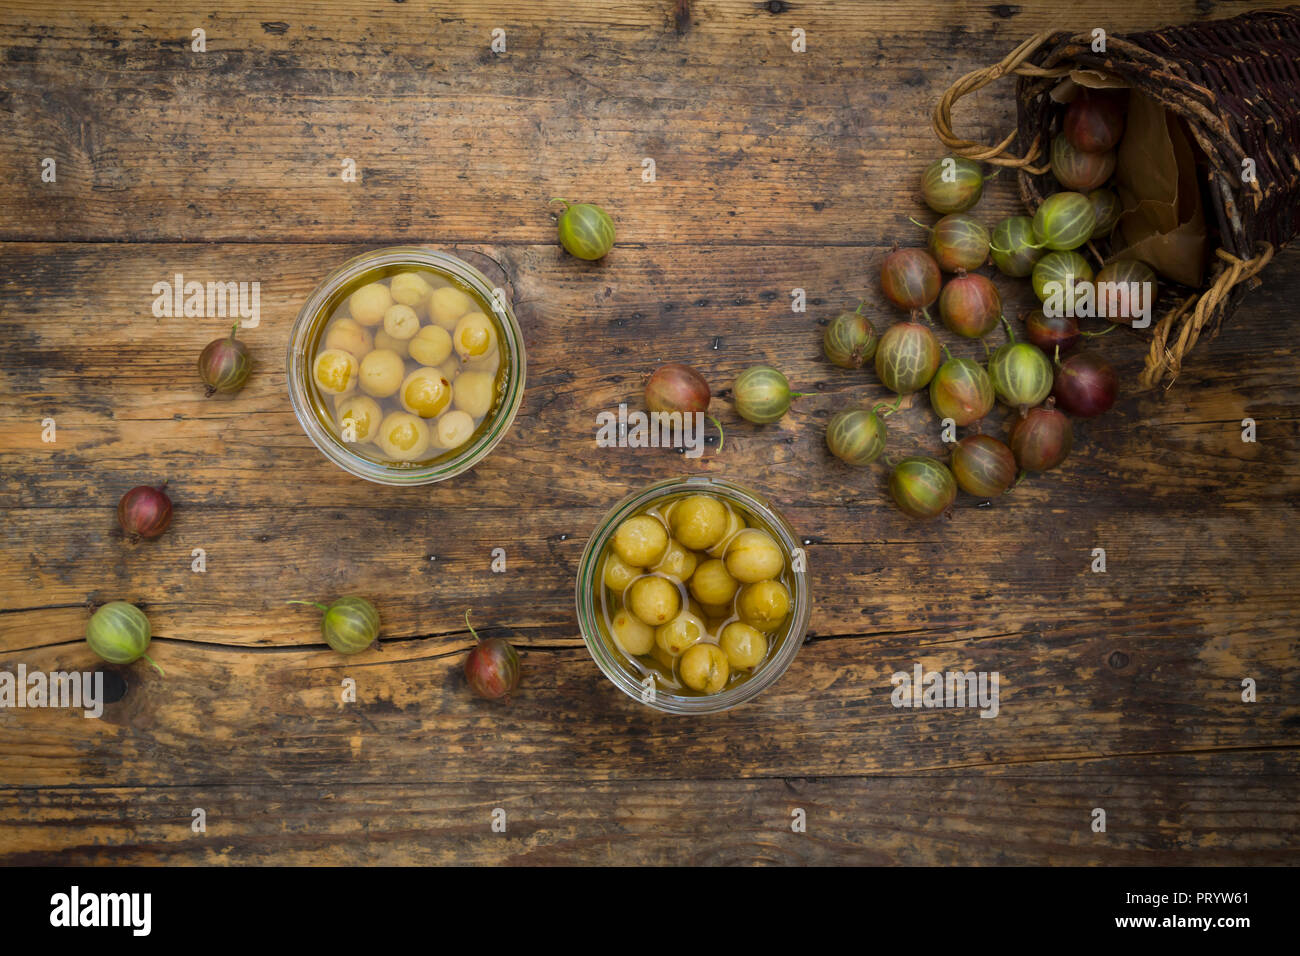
{"x": 1011, "y": 336}
{"x": 721, "y": 435}
{"x": 154, "y": 665}
{"x": 888, "y": 409}
{"x": 312, "y": 603}
{"x": 921, "y": 224}
{"x": 233, "y": 329}
{"x": 1110, "y": 328}
{"x": 477, "y": 639}
{"x": 566, "y": 202}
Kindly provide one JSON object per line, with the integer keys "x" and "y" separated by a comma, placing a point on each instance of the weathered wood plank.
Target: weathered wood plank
{"x": 984, "y": 573}
{"x": 1194, "y": 811}
{"x": 453, "y": 142}
{"x": 1070, "y": 689}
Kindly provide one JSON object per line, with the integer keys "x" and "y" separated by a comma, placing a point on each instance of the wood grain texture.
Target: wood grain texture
{"x": 1120, "y": 690}
{"x": 1158, "y": 812}
{"x": 453, "y": 142}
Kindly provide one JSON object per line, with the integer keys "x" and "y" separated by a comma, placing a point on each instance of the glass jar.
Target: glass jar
{"x": 310, "y": 325}
{"x": 615, "y": 663}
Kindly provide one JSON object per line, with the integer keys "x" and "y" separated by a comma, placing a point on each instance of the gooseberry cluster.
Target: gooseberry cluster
{"x": 1038, "y": 378}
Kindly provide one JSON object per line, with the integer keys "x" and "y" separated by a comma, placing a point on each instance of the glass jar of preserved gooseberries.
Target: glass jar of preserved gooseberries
{"x": 405, "y": 367}
{"x": 692, "y": 595}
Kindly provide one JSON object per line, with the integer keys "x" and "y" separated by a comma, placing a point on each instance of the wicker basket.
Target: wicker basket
{"x": 1236, "y": 85}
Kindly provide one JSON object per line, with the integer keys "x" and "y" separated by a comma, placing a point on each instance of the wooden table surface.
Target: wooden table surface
{"x": 775, "y": 170}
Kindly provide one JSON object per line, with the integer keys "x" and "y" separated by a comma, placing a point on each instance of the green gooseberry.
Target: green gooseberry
{"x": 120, "y": 633}
{"x": 907, "y": 357}
{"x": 350, "y": 624}
{"x": 1022, "y": 374}
{"x": 1064, "y": 221}
{"x": 586, "y": 231}
{"x": 952, "y": 184}
{"x": 850, "y": 340}
{"x": 922, "y": 487}
{"x": 762, "y": 395}
{"x": 1012, "y": 246}
{"x": 961, "y": 390}
{"x": 856, "y": 436}
{"x": 1069, "y": 269}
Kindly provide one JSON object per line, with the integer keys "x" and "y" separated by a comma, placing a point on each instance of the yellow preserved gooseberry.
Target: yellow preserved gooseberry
{"x": 474, "y": 392}
{"x": 735, "y": 523}
{"x": 704, "y": 668}
{"x": 335, "y": 371}
{"x": 348, "y": 335}
{"x": 425, "y": 392}
{"x": 454, "y": 429}
{"x": 358, "y": 417}
{"x": 385, "y": 341}
{"x": 369, "y": 303}
{"x": 654, "y": 600}
{"x": 618, "y": 573}
{"x": 753, "y": 556}
{"x": 633, "y": 635}
{"x": 676, "y": 562}
{"x": 403, "y": 437}
{"x": 699, "y": 522}
{"x": 680, "y": 633}
{"x": 640, "y": 541}
{"x": 450, "y": 369}
{"x": 401, "y": 322}
{"x": 447, "y": 305}
{"x": 711, "y": 584}
{"x": 474, "y": 336}
{"x": 381, "y": 373}
{"x": 716, "y": 610}
{"x": 431, "y": 345}
{"x": 744, "y": 646}
{"x": 763, "y": 605}
{"x": 409, "y": 288}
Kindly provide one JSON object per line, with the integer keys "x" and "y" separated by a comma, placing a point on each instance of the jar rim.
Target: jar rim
{"x": 298, "y": 376}
{"x": 617, "y": 673}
